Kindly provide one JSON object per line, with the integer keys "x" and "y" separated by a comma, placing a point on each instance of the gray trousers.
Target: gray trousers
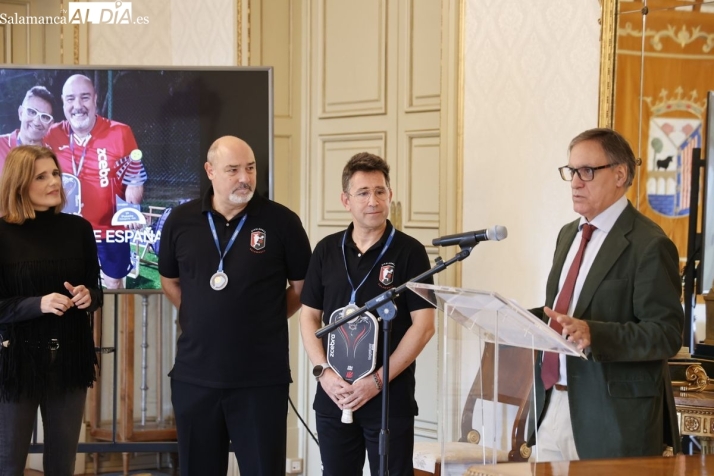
{"x": 62, "y": 422}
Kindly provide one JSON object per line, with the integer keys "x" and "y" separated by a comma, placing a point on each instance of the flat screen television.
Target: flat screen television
{"x": 149, "y": 148}
{"x": 706, "y": 264}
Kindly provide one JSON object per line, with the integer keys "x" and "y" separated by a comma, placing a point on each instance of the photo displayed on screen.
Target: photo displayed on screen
{"x": 131, "y": 145}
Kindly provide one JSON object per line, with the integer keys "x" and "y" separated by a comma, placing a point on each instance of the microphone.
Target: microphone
{"x": 495, "y": 233}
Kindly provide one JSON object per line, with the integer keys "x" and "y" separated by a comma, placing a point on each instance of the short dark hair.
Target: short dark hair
{"x": 42, "y": 93}
{"x": 363, "y": 162}
{"x": 615, "y": 146}
{"x": 17, "y": 174}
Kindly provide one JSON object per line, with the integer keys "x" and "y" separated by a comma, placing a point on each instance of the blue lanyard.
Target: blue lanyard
{"x": 230, "y": 243}
{"x": 344, "y": 258}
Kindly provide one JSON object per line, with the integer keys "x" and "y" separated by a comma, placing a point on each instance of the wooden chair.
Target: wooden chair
{"x": 514, "y": 388}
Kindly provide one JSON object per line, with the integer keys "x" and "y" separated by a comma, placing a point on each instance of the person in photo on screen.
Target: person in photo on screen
{"x": 233, "y": 264}
{"x": 371, "y": 252}
{"x": 614, "y": 288}
{"x": 49, "y": 288}
{"x": 103, "y": 173}
{"x": 35, "y": 115}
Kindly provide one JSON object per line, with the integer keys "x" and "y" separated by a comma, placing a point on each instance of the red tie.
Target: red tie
{"x": 550, "y": 370}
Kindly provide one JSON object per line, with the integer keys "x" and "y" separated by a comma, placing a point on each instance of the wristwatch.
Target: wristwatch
{"x": 319, "y": 369}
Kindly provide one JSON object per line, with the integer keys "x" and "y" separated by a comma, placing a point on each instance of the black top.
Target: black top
{"x": 238, "y": 336}
{"x": 327, "y": 288}
{"x": 36, "y": 258}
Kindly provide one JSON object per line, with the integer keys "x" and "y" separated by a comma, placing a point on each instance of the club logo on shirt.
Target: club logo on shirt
{"x": 257, "y": 240}
{"x": 386, "y": 274}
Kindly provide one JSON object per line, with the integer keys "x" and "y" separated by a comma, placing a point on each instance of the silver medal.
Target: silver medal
{"x": 219, "y": 280}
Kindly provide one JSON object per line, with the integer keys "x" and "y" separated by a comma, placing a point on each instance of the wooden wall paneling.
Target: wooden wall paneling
{"x": 422, "y": 81}
{"x": 418, "y": 166}
{"x": 334, "y": 151}
{"x": 352, "y": 58}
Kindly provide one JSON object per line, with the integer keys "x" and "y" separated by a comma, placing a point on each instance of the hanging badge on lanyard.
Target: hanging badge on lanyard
{"x": 219, "y": 280}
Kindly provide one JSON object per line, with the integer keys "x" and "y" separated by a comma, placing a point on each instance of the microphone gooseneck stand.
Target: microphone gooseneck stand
{"x": 384, "y": 305}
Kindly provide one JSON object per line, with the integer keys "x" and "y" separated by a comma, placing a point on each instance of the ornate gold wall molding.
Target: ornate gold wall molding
{"x": 608, "y": 46}
{"x": 75, "y": 56}
{"x": 239, "y": 32}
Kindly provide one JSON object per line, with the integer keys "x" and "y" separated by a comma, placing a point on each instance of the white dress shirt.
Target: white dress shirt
{"x": 604, "y": 223}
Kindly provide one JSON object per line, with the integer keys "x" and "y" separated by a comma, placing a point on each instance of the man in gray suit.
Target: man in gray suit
{"x": 614, "y": 289}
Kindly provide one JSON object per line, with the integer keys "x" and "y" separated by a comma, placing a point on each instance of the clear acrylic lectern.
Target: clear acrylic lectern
{"x": 487, "y": 404}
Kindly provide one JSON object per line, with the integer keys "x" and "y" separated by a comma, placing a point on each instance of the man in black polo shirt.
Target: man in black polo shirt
{"x": 379, "y": 257}
{"x": 225, "y": 261}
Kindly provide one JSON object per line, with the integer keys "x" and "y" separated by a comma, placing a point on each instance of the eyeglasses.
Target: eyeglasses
{"x": 33, "y": 113}
{"x": 363, "y": 196}
{"x": 586, "y": 174}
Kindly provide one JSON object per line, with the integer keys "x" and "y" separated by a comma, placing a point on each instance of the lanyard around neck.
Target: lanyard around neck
{"x": 230, "y": 243}
{"x": 75, "y": 168}
{"x": 344, "y": 258}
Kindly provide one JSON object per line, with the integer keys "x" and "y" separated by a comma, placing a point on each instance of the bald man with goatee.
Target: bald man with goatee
{"x": 103, "y": 172}
{"x": 233, "y": 264}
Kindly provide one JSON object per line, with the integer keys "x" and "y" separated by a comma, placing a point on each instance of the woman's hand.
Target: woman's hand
{"x": 55, "y": 303}
{"x": 80, "y": 295}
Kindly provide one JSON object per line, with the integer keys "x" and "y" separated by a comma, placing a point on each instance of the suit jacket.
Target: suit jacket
{"x": 621, "y": 401}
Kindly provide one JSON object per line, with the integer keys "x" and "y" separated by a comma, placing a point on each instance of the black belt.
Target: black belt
{"x": 52, "y": 344}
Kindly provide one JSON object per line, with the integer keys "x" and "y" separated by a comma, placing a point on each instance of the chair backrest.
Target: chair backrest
{"x": 515, "y": 382}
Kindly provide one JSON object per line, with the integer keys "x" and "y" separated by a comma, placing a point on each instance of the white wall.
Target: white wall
{"x": 531, "y": 84}
{"x": 179, "y": 33}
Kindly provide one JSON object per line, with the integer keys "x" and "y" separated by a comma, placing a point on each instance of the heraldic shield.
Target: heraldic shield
{"x": 669, "y": 168}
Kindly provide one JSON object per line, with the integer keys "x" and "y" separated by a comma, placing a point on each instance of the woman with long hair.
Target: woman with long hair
{"x": 49, "y": 286}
